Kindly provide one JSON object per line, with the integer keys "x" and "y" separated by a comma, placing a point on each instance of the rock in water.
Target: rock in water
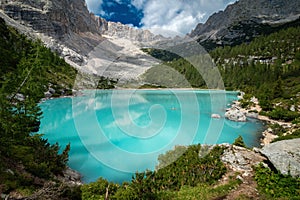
{"x": 216, "y": 116}
{"x": 234, "y": 114}
{"x": 285, "y": 156}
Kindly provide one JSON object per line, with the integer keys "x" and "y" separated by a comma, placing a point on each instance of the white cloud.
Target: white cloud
{"x": 139, "y": 4}
{"x": 94, "y": 6}
{"x": 177, "y": 17}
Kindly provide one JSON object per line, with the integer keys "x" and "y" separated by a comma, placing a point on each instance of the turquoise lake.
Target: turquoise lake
{"x": 114, "y": 133}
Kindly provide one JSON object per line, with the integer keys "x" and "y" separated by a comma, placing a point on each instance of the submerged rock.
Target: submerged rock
{"x": 285, "y": 156}
{"x": 216, "y": 116}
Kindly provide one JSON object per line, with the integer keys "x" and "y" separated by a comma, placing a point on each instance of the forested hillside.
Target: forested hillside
{"x": 268, "y": 68}
{"x": 28, "y": 71}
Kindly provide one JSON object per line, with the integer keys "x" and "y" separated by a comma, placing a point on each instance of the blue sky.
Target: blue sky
{"x": 167, "y": 17}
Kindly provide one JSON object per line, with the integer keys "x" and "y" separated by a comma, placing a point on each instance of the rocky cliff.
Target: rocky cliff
{"x": 67, "y": 27}
{"x": 246, "y": 19}
{"x": 54, "y": 18}
{"x": 116, "y": 29}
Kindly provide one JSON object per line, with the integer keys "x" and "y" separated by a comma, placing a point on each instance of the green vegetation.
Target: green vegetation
{"x": 275, "y": 185}
{"x": 294, "y": 135}
{"x": 248, "y": 31}
{"x": 189, "y": 172}
{"x": 178, "y": 64}
{"x": 150, "y": 86}
{"x": 202, "y": 191}
{"x": 106, "y": 83}
{"x": 27, "y": 70}
{"x": 268, "y": 68}
{"x": 239, "y": 142}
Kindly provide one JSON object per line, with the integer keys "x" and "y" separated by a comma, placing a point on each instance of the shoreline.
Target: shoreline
{"x": 267, "y": 135}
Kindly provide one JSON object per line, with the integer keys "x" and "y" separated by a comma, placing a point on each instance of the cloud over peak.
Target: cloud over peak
{"x": 176, "y": 17}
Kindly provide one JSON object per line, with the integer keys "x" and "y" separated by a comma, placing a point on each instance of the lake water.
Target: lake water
{"x": 114, "y": 133}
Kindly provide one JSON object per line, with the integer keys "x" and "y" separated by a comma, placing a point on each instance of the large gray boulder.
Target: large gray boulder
{"x": 285, "y": 156}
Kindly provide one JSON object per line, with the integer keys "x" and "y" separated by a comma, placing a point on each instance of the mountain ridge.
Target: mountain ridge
{"x": 85, "y": 41}
{"x": 243, "y": 21}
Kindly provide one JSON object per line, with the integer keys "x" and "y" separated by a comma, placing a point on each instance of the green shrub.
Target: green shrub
{"x": 294, "y": 135}
{"x": 189, "y": 170}
{"x": 97, "y": 190}
{"x": 277, "y": 129}
{"x": 276, "y": 185}
{"x": 282, "y": 114}
{"x": 239, "y": 142}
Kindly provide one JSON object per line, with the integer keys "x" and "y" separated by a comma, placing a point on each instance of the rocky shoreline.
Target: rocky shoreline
{"x": 239, "y": 114}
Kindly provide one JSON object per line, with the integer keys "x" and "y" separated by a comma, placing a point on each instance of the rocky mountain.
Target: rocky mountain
{"x": 246, "y": 19}
{"x": 67, "y": 27}
{"x": 118, "y": 30}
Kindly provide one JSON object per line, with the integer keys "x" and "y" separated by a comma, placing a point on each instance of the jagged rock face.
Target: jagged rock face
{"x": 246, "y": 19}
{"x": 126, "y": 32}
{"x": 241, "y": 159}
{"x": 54, "y": 17}
{"x": 285, "y": 156}
{"x": 66, "y": 26}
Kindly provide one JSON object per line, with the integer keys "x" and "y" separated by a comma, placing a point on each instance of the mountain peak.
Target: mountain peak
{"x": 119, "y": 30}
{"x": 226, "y": 27}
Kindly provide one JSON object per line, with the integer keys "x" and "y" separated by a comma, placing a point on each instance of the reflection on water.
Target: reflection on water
{"x": 116, "y": 133}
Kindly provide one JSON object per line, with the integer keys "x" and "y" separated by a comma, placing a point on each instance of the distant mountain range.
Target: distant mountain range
{"x": 94, "y": 45}
{"x": 246, "y": 19}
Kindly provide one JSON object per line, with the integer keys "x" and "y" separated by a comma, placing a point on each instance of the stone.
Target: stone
{"x": 234, "y": 114}
{"x": 241, "y": 95}
{"x": 216, "y": 116}
{"x": 252, "y": 115}
{"x": 240, "y": 158}
{"x": 254, "y": 100}
{"x": 51, "y": 90}
{"x": 48, "y": 94}
{"x": 71, "y": 175}
{"x": 292, "y": 108}
{"x": 118, "y": 30}
{"x": 20, "y": 97}
{"x": 285, "y": 156}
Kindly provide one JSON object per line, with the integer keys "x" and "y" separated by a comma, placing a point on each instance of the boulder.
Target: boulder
{"x": 240, "y": 158}
{"x": 284, "y": 155}
{"x": 20, "y": 97}
{"x": 292, "y": 108}
{"x": 51, "y": 90}
{"x": 48, "y": 94}
{"x": 252, "y": 115}
{"x": 234, "y": 114}
{"x": 72, "y": 175}
{"x": 216, "y": 116}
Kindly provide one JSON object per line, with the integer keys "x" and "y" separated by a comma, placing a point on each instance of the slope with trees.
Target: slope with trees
{"x": 27, "y": 70}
